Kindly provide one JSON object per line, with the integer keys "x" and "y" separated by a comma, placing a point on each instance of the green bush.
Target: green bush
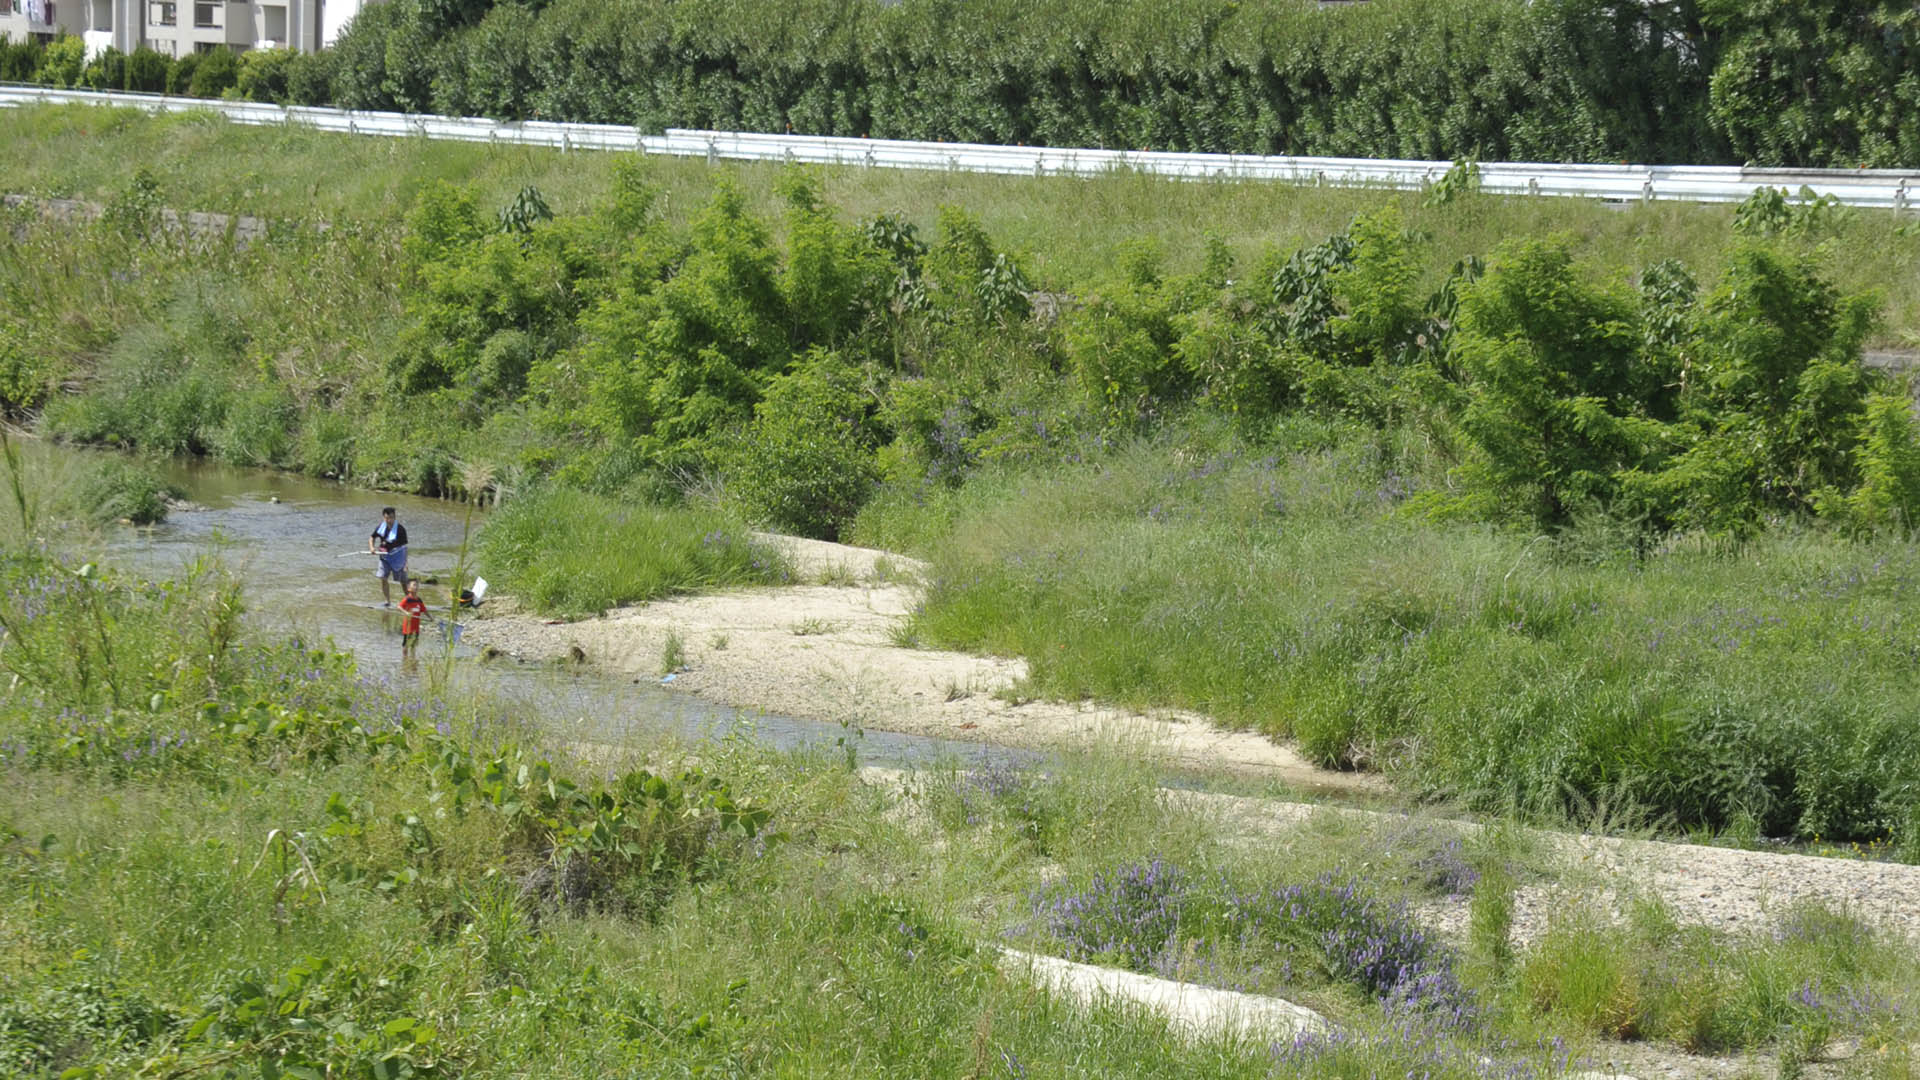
{"x": 806, "y": 463}
{"x": 257, "y": 428}
{"x": 180, "y": 74}
{"x": 217, "y": 73}
{"x": 108, "y": 71}
{"x": 64, "y": 62}
{"x": 309, "y": 77}
{"x": 23, "y": 376}
{"x": 147, "y": 70}
{"x": 20, "y": 60}
{"x": 265, "y": 74}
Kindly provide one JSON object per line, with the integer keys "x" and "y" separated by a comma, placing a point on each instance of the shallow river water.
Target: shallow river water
{"x": 294, "y": 540}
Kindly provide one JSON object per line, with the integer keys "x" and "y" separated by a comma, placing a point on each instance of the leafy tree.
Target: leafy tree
{"x": 835, "y": 281}
{"x": 360, "y": 72}
{"x": 1817, "y": 82}
{"x": 1774, "y": 396}
{"x": 1549, "y": 361}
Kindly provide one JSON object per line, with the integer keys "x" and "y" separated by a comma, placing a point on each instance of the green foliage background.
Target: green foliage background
{"x": 1772, "y": 82}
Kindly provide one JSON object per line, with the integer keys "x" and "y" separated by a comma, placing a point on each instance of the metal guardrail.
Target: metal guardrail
{"x": 1889, "y": 189}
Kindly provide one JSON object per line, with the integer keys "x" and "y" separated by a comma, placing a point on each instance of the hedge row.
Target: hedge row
{"x": 278, "y": 75}
{"x": 1783, "y": 82}
{"x": 1791, "y": 82}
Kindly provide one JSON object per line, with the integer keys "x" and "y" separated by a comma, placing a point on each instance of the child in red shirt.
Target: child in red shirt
{"x": 412, "y": 607}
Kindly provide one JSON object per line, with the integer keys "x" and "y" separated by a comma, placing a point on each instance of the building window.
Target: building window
{"x": 163, "y": 13}
{"x": 206, "y": 16}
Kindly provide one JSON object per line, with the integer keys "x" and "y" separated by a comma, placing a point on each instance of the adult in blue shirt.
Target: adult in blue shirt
{"x": 389, "y": 542}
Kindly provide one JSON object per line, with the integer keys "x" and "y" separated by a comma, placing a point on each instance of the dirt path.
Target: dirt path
{"x": 828, "y": 651}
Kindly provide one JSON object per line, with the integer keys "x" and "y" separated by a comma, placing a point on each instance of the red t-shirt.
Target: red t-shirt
{"x": 414, "y": 607}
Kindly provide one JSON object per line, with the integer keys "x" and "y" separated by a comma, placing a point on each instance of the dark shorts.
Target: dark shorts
{"x": 407, "y": 641}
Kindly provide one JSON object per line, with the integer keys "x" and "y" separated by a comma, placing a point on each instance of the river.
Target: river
{"x": 293, "y": 540}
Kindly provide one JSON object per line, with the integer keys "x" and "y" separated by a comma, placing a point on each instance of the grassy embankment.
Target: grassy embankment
{"x": 1288, "y": 573}
{"x": 223, "y": 856}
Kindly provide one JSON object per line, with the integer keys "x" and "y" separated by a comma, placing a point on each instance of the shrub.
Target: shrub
{"x": 64, "y": 62}
{"x": 806, "y": 463}
{"x": 20, "y": 61}
{"x": 108, "y": 71}
{"x": 309, "y": 78}
{"x": 264, "y": 75}
{"x": 180, "y": 74}
{"x": 147, "y": 70}
{"x": 23, "y": 378}
{"x": 216, "y": 74}
{"x": 1548, "y": 361}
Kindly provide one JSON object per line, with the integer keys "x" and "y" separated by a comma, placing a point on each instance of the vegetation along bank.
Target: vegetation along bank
{"x": 226, "y": 854}
{"x": 1533, "y": 504}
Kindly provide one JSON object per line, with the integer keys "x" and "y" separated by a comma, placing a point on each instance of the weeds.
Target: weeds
{"x": 577, "y": 553}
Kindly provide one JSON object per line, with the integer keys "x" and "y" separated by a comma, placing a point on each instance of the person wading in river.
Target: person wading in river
{"x": 412, "y": 608}
{"x": 389, "y": 542}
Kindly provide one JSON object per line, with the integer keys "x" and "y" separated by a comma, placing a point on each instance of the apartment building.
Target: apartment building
{"x": 178, "y": 27}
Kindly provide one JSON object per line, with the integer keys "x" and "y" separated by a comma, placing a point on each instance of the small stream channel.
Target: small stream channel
{"x": 289, "y": 537}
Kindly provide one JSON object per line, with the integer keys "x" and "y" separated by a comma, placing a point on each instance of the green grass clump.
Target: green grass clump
{"x": 119, "y": 490}
{"x": 1653, "y": 978}
{"x": 577, "y": 554}
{"x": 1298, "y": 595}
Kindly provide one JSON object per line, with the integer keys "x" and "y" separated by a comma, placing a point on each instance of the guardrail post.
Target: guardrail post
{"x": 1533, "y": 185}
{"x": 1039, "y": 165}
{"x": 1900, "y": 197}
{"x": 867, "y": 157}
{"x": 713, "y": 150}
{"x": 786, "y": 154}
{"x": 566, "y": 142}
{"x": 1646, "y": 190}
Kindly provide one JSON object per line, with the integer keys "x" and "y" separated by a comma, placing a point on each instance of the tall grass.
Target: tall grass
{"x": 1067, "y": 231}
{"x": 577, "y": 554}
{"x": 280, "y": 865}
{"x": 1299, "y": 595}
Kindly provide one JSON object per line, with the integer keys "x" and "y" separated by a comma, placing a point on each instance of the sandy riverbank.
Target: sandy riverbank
{"x": 827, "y": 649}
